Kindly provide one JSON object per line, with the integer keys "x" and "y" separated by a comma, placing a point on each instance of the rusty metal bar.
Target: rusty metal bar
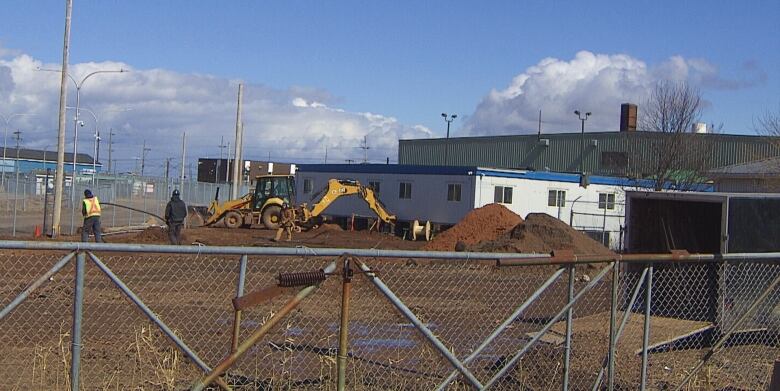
{"x": 418, "y": 324}
{"x": 547, "y": 327}
{"x": 507, "y": 322}
{"x": 730, "y": 331}
{"x": 78, "y": 312}
{"x": 259, "y": 333}
{"x": 239, "y": 293}
{"x": 36, "y": 284}
{"x": 344, "y": 327}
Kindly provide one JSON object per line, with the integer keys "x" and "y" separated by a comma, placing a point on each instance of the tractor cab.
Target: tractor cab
{"x": 268, "y": 187}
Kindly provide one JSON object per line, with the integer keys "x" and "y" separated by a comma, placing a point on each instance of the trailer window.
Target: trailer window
{"x": 405, "y": 190}
{"x": 607, "y": 201}
{"x": 374, "y": 185}
{"x": 556, "y": 198}
{"x": 502, "y": 194}
{"x": 453, "y": 192}
{"x": 308, "y": 185}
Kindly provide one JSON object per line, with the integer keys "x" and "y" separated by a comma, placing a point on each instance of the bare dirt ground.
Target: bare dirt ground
{"x": 461, "y": 303}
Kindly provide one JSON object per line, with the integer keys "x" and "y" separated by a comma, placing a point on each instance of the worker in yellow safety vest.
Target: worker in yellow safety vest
{"x": 90, "y": 209}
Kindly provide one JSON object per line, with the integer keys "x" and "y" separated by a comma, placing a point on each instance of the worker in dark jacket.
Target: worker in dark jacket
{"x": 175, "y": 213}
{"x": 90, "y": 209}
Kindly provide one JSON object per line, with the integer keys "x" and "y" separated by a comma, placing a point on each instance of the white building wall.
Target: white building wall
{"x": 428, "y": 200}
{"x": 579, "y": 209}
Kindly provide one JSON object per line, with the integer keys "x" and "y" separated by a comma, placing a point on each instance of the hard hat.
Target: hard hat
{"x": 175, "y": 193}
{"x": 87, "y": 193}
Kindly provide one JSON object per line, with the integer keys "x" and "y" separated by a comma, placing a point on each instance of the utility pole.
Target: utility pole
{"x": 364, "y": 146}
{"x": 219, "y": 162}
{"x": 227, "y": 166}
{"x": 238, "y": 146}
{"x": 183, "y": 159}
{"x": 60, "y": 172}
{"x": 110, "y": 148}
{"x": 144, "y": 150}
{"x": 326, "y": 154}
{"x": 16, "y": 168}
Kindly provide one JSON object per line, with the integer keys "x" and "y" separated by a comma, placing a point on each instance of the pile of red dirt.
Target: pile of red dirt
{"x": 541, "y": 233}
{"x": 482, "y": 224}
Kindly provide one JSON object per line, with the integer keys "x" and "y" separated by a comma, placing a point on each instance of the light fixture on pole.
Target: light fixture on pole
{"x": 76, "y": 123}
{"x": 448, "y": 119}
{"x": 582, "y": 138}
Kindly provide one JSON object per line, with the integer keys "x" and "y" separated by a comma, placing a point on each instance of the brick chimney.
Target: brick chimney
{"x": 628, "y": 117}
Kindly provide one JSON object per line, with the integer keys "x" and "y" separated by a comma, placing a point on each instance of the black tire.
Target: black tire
{"x": 233, "y": 219}
{"x": 272, "y": 215}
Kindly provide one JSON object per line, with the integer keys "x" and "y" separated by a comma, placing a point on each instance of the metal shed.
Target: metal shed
{"x": 702, "y": 222}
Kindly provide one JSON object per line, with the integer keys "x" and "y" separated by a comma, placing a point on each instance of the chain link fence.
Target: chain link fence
{"x": 25, "y": 202}
{"x": 412, "y": 319}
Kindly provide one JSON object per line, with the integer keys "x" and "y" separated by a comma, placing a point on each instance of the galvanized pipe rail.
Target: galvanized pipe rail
{"x": 274, "y": 251}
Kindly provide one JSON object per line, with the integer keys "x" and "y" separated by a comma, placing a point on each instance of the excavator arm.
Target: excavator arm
{"x": 339, "y": 187}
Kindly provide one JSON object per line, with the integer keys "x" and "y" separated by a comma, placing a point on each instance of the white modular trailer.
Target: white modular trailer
{"x": 444, "y": 195}
{"x": 409, "y": 192}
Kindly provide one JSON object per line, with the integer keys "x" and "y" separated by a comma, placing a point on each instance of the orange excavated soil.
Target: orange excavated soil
{"x": 542, "y": 233}
{"x": 481, "y": 224}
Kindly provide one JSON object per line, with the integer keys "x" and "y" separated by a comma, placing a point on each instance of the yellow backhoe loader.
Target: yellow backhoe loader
{"x": 264, "y": 205}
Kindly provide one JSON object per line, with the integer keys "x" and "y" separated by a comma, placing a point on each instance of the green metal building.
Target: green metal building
{"x": 627, "y": 153}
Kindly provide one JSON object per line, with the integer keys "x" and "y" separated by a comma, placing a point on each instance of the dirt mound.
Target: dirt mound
{"x": 330, "y": 227}
{"x": 542, "y": 233}
{"x": 481, "y": 224}
{"x": 154, "y": 235}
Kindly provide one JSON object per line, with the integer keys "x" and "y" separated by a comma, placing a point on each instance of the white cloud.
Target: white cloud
{"x": 295, "y": 124}
{"x": 589, "y": 82}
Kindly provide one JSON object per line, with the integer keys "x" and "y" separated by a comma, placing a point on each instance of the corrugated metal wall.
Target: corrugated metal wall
{"x": 564, "y": 151}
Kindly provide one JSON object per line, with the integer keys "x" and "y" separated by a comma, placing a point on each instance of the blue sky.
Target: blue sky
{"x": 411, "y": 60}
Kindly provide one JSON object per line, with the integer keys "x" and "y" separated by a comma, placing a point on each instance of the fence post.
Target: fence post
{"x": 646, "y": 336}
{"x": 239, "y": 293}
{"x": 78, "y": 301}
{"x": 344, "y": 327}
{"x": 612, "y": 328}
{"x": 569, "y": 313}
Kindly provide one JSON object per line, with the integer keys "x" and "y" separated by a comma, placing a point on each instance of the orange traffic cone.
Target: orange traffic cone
{"x": 37, "y": 233}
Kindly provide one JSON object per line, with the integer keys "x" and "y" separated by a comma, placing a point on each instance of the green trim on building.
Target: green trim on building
{"x": 633, "y": 154}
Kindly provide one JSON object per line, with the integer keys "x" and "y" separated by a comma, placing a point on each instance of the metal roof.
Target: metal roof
{"x": 38, "y": 155}
{"x": 758, "y": 168}
{"x": 605, "y": 153}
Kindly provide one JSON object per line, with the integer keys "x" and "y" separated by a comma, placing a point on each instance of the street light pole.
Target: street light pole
{"x": 582, "y": 138}
{"x": 144, "y": 150}
{"x": 76, "y": 121}
{"x": 18, "y": 135}
{"x": 447, "y": 143}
